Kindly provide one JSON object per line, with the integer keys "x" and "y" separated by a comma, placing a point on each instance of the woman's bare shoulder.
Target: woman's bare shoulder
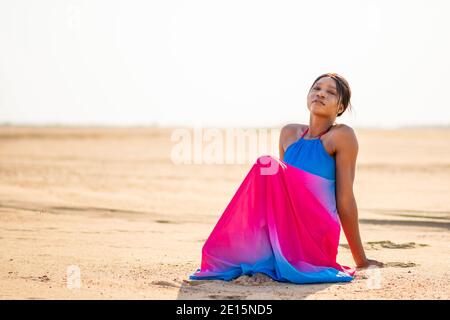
{"x": 290, "y": 133}
{"x": 293, "y": 127}
{"x": 344, "y": 130}
{"x": 344, "y": 137}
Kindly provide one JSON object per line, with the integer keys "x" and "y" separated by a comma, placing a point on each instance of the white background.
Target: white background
{"x": 221, "y": 63}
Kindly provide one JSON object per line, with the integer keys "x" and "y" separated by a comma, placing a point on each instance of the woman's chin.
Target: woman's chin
{"x": 317, "y": 111}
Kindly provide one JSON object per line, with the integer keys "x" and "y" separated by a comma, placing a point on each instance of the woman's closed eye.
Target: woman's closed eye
{"x": 330, "y": 92}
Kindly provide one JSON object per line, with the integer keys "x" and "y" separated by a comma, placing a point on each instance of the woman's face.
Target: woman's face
{"x": 323, "y": 98}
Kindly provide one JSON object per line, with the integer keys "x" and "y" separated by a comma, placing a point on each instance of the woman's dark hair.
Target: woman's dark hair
{"x": 343, "y": 89}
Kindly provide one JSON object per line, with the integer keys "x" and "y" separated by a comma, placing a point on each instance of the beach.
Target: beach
{"x": 105, "y": 213}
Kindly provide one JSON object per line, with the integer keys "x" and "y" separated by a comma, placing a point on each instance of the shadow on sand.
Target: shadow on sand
{"x": 257, "y": 287}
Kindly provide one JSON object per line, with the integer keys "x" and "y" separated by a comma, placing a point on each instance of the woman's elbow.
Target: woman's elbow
{"x": 346, "y": 204}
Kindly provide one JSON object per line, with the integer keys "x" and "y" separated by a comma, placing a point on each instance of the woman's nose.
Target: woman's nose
{"x": 321, "y": 94}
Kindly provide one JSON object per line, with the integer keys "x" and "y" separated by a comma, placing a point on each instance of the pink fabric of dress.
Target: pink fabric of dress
{"x": 283, "y": 222}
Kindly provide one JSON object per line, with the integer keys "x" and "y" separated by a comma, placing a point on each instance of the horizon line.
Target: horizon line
{"x": 160, "y": 126}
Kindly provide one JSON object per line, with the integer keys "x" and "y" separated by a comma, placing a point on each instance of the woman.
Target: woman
{"x": 285, "y": 218}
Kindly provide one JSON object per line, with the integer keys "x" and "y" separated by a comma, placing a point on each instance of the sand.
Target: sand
{"x": 103, "y": 213}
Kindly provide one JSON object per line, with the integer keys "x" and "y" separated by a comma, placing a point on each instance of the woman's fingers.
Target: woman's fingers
{"x": 370, "y": 263}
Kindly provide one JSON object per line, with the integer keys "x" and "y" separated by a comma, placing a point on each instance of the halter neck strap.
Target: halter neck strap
{"x": 319, "y": 134}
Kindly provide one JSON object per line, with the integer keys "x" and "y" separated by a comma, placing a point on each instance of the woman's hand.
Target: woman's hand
{"x": 368, "y": 263}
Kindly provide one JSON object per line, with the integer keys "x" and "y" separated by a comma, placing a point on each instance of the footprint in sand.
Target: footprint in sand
{"x": 162, "y": 283}
{"x": 400, "y": 264}
{"x": 362, "y": 272}
{"x": 391, "y": 245}
{"x": 43, "y": 278}
{"x": 386, "y": 244}
{"x": 194, "y": 282}
{"x": 215, "y": 296}
{"x": 163, "y": 221}
{"x": 254, "y": 280}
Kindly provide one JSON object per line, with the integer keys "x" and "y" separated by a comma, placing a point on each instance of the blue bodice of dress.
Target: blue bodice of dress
{"x": 310, "y": 155}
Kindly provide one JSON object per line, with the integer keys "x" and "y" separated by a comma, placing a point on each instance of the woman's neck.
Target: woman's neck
{"x": 318, "y": 125}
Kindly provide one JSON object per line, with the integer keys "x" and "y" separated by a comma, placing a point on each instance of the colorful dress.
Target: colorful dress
{"x": 282, "y": 221}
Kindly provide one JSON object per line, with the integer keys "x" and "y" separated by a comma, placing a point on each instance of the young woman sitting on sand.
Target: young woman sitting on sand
{"x": 285, "y": 218}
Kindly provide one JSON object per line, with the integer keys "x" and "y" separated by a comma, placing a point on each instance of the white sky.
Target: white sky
{"x": 219, "y": 63}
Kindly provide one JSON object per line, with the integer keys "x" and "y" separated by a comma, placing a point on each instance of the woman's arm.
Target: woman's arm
{"x": 346, "y": 149}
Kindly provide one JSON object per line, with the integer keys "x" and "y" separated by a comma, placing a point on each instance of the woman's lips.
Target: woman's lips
{"x": 317, "y": 101}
